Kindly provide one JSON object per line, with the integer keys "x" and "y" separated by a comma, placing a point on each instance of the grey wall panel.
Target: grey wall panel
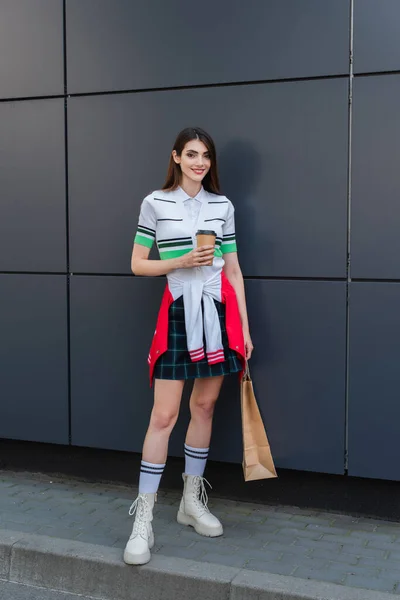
{"x": 299, "y": 331}
{"x": 298, "y": 374}
{"x": 120, "y": 44}
{"x": 112, "y": 323}
{"x": 32, "y": 173}
{"x": 283, "y": 163}
{"x": 31, "y": 48}
{"x": 33, "y": 358}
{"x": 226, "y": 442}
{"x": 374, "y": 409}
{"x": 376, "y": 35}
{"x": 375, "y": 241}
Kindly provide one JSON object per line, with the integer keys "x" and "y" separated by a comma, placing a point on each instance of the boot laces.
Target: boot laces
{"x": 200, "y": 492}
{"x": 142, "y": 509}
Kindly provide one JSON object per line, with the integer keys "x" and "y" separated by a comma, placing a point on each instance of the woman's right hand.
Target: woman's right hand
{"x": 199, "y": 257}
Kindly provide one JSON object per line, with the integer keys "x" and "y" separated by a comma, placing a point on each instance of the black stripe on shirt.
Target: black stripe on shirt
{"x": 180, "y": 239}
{"x": 162, "y": 200}
{"x": 147, "y": 228}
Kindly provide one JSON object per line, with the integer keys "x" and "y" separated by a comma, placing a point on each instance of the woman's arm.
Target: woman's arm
{"x": 234, "y": 274}
{"x": 141, "y": 265}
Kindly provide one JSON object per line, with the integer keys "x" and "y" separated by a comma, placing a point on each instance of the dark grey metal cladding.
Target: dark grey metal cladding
{"x": 33, "y": 358}
{"x": 32, "y": 207}
{"x": 112, "y": 324}
{"x": 299, "y": 334}
{"x": 375, "y": 241}
{"x": 376, "y": 36}
{"x": 31, "y": 48}
{"x": 283, "y": 163}
{"x": 374, "y": 408}
{"x": 226, "y": 443}
{"x": 120, "y": 44}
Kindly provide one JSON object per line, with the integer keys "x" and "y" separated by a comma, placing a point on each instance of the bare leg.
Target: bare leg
{"x": 202, "y": 403}
{"x": 167, "y": 400}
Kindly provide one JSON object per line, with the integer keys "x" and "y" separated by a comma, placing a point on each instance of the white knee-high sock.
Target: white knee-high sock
{"x": 195, "y": 460}
{"x": 150, "y": 476}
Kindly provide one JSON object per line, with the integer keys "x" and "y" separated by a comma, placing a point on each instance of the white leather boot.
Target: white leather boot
{"x": 193, "y": 509}
{"x": 137, "y": 550}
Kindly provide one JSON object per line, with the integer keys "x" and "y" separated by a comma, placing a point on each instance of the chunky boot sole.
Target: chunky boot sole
{"x": 136, "y": 559}
{"x": 139, "y": 559}
{"x": 201, "y": 529}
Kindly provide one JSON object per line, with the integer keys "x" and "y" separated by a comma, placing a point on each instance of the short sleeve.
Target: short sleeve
{"x": 146, "y": 230}
{"x": 228, "y": 232}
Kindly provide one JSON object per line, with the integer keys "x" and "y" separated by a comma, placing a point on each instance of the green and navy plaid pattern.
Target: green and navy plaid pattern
{"x": 175, "y": 363}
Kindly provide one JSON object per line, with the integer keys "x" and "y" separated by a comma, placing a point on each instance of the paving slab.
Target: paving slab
{"x": 55, "y": 516}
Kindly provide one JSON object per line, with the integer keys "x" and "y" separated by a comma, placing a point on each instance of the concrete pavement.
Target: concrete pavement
{"x": 68, "y": 535}
{"x": 17, "y": 591}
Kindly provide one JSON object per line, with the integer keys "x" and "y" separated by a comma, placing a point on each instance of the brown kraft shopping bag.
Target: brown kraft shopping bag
{"x": 257, "y": 458}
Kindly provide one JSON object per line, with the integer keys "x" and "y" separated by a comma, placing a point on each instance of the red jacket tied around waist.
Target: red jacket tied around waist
{"x": 234, "y": 330}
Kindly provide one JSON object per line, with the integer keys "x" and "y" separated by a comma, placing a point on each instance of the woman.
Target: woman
{"x": 202, "y": 331}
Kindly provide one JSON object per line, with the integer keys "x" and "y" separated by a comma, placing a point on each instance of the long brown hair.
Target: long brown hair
{"x": 174, "y": 174}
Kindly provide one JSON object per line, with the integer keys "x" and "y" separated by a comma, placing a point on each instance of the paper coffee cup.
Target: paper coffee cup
{"x": 206, "y": 237}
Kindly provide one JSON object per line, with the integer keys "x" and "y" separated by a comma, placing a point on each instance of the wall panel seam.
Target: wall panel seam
{"x": 68, "y": 290}
{"x": 348, "y": 250}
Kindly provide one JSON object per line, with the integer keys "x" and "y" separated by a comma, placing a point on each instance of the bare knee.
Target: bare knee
{"x": 203, "y": 408}
{"x": 162, "y": 420}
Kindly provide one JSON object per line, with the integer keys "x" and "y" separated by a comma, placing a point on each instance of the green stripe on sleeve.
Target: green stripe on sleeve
{"x": 226, "y": 248}
{"x": 143, "y": 241}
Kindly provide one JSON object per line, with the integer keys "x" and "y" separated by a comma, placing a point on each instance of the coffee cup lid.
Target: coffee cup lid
{"x": 206, "y": 232}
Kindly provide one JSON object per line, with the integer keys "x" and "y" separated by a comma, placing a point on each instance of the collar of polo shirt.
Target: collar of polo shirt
{"x": 182, "y": 195}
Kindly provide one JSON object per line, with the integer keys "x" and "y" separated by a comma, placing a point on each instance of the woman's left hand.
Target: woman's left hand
{"x": 248, "y": 344}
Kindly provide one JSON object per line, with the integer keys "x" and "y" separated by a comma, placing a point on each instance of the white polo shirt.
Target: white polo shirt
{"x": 172, "y": 219}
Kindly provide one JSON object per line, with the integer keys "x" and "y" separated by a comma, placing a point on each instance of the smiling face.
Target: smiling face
{"x": 195, "y": 162}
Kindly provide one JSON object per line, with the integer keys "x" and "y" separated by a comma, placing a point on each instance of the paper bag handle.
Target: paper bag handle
{"x": 246, "y": 374}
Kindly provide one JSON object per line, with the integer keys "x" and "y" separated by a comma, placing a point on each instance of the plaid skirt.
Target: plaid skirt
{"x": 175, "y": 363}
